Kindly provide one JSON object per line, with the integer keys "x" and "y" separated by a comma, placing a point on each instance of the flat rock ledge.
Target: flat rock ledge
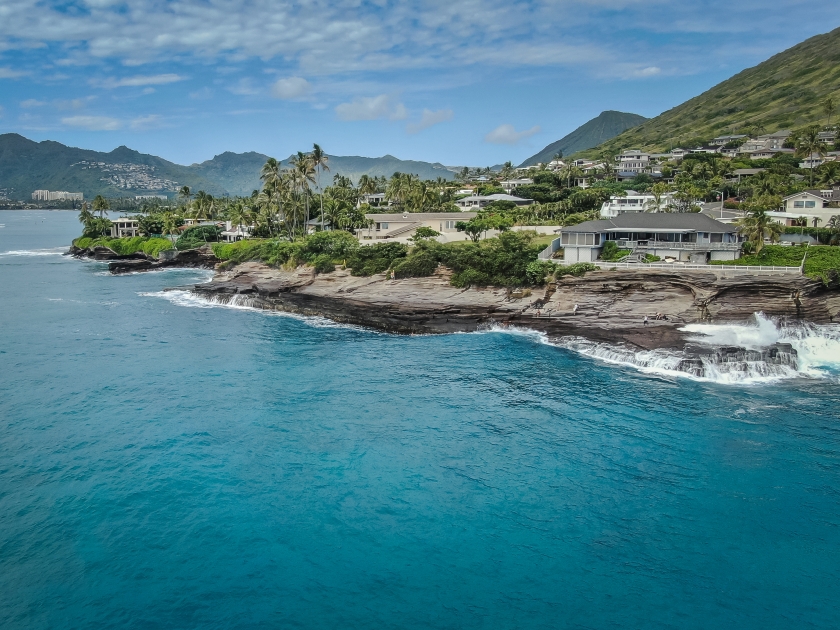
{"x": 611, "y": 304}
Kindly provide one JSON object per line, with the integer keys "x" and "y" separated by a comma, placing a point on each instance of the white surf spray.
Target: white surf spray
{"x": 35, "y": 252}
{"x": 189, "y": 299}
{"x": 750, "y": 353}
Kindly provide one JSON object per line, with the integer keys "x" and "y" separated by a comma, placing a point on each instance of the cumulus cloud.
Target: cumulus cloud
{"x": 429, "y": 119}
{"x": 372, "y": 108}
{"x": 291, "y": 88}
{"x": 92, "y": 123}
{"x": 9, "y": 73}
{"x": 507, "y": 134}
{"x": 140, "y": 81}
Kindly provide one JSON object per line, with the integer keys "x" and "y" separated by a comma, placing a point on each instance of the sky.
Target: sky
{"x": 451, "y": 81}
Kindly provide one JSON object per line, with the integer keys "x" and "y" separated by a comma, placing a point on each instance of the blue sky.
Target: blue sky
{"x": 455, "y": 81}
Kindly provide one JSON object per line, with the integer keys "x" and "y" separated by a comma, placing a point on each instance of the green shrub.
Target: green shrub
{"x": 651, "y": 258}
{"x": 197, "y": 236}
{"x": 323, "y": 264}
{"x": 373, "y": 259}
{"x": 240, "y": 251}
{"x": 611, "y": 252}
{"x": 335, "y": 243}
{"x": 821, "y": 261}
{"x": 419, "y": 264}
{"x": 576, "y": 269}
{"x": 126, "y": 246}
{"x": 537, "y": 271}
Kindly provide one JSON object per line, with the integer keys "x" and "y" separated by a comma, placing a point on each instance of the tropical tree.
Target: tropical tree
{"x": 170, "y": 225}
{"x": 319, "y": 160}
{"x": 808, "y": 143}
{"x": 100, "y": 205}
{"x": 367, "y": 185}
{"x": 657, "y": 191}
{"x": 85, "y": 216}
{"x": 186, "y": 194}
{"x": 304, "y": 169}
{"x": 757, "y": 226}
{"x": 829, "y": 174}
{"x": 829, "y": 106}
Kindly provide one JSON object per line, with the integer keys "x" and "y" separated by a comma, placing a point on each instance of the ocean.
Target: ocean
{"x": 167, "y": 462}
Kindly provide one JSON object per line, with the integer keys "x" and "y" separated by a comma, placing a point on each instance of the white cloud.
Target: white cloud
{"x": 92, "y": 123}
{"x": 291, "y": 88}
{"x": 650, "y": 71}
{"x": 31, "y": 102}
{"x": 7, "y": 73}
{"x": 202, "y": 95}
{"x": 429, "y": 119}
{"x": 244, "y": 87}
{"x": 152, "y": 121}
{"x": 140, "y": 81}
{"x": 507, "y": 134}
{"x": 372, "y": 108}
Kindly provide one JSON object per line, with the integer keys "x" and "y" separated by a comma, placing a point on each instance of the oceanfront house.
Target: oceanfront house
{"x": 233, "y": 233}
{"x": 686, "y": 237}
{"x": 509, "y": 185}
{"x": 403, "y": 226}
{"x": 808, "y": 206}
{"x": 633, "y": 161}
{"x": 125, "y": 227}
{"x": 635, "y": 202}
{"x": 477, "y": 202}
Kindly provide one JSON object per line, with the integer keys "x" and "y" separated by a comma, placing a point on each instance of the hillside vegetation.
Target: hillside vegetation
{"x": 600, "y": 129}
{"x": 784, "y": 92}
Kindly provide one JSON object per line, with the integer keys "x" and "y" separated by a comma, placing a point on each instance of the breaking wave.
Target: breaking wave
{"x": 188, "y": 299}
{"x": 55, "y": 251}
{"x": 760, "y": 351}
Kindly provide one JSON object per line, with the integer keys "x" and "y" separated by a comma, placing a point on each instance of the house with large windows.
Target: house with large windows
{"x": 685, "y": 237}
{"x": 403, "y": 226}
{"x": 635, "y": 202}
{"x": 808, "y": 206}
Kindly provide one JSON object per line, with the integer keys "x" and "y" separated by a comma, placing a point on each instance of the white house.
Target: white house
{"x": 688, "y": 237}
{"x": 125, "y": 227}
{"x": 634, "y": 202}
{"x": 480, "y": 201}
{"x": 509, "y": 185}
{"x": 234, "y": 233}
{"x": 401, "y": 227}
{"x": 633, "y": 161}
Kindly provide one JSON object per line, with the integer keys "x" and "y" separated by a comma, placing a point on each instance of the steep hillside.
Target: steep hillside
{"x": 784, "y": 92}
{"x": 600, "y": 129}
{"x": 26, "y": 166}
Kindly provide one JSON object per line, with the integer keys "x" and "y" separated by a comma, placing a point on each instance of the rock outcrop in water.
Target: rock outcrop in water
{"x": 611, "y": 304}
{"x": 138, "y": 261}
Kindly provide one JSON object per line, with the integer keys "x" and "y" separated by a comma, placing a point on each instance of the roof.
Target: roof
{"x": 409, "y": 217}
{"x": 812, "y": 192}
{"x": 748, "y": 171}
{"x": 653, "y": 221}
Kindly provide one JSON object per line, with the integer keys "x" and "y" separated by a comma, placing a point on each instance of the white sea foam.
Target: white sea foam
{"x": 188, "y": 299}
{"x": 817, "y": 352}
{"x": 55, "y": 251}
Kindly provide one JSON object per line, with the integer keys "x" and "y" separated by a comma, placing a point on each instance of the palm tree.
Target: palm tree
{"x": 816, "y": 221}
{"x": 186, "y": 194}
{"x": 828, "y": 108}
{"x": 302, "y": 164}
{"x": 808, "y": 144}
{"x": 829, "y": 174}
{"x": 85, "y": 215}
{"x": 757, "y": 226}
{"x": 507, "y": 170}
{"x": 367, "y": 185}
{"x": 657, "y": 191}
{"x": 319, "y": 160}
{"x": 100, "y": 205}
{"x": 170, "y": 225}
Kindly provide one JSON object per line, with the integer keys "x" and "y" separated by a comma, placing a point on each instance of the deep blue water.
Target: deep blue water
{"x": 169, "y": 466}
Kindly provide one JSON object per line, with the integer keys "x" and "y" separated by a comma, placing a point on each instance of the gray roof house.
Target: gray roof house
{"x": 687, "y": 237}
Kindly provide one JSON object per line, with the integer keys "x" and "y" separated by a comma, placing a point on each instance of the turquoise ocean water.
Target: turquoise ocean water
{"x": 168, "y": 463}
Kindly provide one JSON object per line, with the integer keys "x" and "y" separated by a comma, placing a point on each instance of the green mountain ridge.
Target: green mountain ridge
{"x": 606, "y": 125}
{"x": 784, "y": 92}
{"x": 26, "y": 166}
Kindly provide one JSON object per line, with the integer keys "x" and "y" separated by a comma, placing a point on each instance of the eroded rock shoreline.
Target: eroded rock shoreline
{"x": 612, "y": 305}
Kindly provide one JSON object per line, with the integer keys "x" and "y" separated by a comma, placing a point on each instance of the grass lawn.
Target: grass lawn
{"x": 821, "y": 259}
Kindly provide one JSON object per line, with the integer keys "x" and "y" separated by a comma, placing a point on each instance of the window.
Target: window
{"x": 810, "y": 204}
{"x": 449, "y": 225}
{"x": 798, "y": 204}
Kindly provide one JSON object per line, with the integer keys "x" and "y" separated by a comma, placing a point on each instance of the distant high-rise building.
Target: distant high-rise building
{"x": 57, "y": 195}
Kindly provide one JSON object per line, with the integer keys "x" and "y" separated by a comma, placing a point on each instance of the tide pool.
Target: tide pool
{"x": 168, "y": 463}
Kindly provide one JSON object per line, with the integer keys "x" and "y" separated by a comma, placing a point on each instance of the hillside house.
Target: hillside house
{"x": 480, "y": 201}
{"x": 402, "y": 226}
{"x": 125, "y": 227}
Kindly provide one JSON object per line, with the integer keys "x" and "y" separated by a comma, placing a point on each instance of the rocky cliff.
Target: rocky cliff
{"x": 612, "y": 305}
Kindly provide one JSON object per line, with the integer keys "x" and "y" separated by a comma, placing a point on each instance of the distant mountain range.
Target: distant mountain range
{"x": 600, "y": 129}
{"x": 785, "y": 92}
{"x": 26, "y": 166}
